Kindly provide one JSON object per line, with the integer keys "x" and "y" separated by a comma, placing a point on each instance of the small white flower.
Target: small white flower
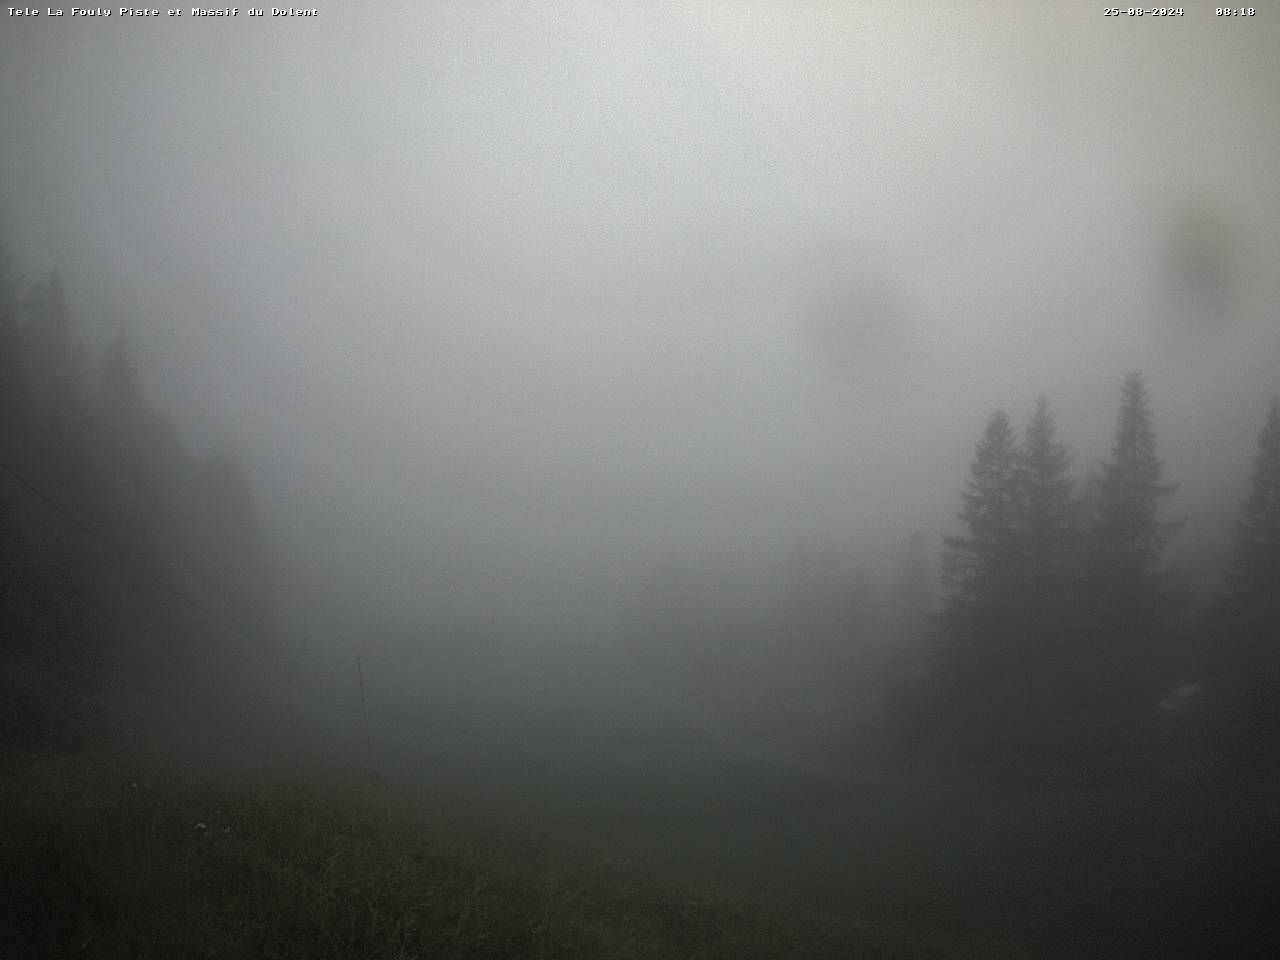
{"x": 200, "y": 827}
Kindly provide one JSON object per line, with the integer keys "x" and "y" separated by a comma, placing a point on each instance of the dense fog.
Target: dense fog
{"x": 587, "y": 369}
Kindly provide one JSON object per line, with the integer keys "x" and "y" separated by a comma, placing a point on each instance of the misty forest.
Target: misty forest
{"x": 717, "y": 480}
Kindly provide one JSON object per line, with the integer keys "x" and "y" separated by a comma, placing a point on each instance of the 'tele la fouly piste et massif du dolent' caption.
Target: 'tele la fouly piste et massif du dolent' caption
{"x": 142, "y": 12}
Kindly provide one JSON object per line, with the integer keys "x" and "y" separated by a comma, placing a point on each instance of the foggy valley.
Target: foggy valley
{"x": 690, "y": 479}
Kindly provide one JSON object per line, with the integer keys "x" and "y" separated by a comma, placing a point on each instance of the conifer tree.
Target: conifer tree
{"x": 1130, "y": 536}
{"x": 1047, "y": 665}
{"x": 979, "y": 565}
{"x": 1254, "y": 576}
{"x": 1048, "y": 517}
{"x": 980, "y": 574}
{"x": 1255, "y": 566}
{"x": 1129, "y": 586}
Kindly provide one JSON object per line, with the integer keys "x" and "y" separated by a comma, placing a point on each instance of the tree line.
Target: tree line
{"x": 1062, "y": 623}
{"x": 127, "y": 563}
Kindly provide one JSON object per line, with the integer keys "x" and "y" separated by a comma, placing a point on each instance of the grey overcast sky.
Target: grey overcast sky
{"x": 513, "y": 300}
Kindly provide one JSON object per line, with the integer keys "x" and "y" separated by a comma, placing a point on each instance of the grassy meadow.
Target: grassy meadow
{"x": 511, "y": 823}
{"x": 100, "y": 861}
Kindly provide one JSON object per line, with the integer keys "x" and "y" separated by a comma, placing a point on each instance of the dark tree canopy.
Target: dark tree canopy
{"x": 1131, "y": 592}
{"x": 1130, "y": 536}
{"x": 981, "y": 562}
{"x": 101, "y": 515}
{"x": 980, "y": 574}
{"x": 1049, "y": 518}
{"x": 1047, "y": 648}
{"x": 1251, "y": 627}
{"x": 1255, "y": 567}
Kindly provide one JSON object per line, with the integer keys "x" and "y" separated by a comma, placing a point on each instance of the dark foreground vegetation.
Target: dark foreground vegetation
{"x": 101, "y": 862}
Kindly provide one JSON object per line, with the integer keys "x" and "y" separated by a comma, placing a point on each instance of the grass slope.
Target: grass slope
{"x": 1143, "y": 866}
{"x": 97, "y": 862}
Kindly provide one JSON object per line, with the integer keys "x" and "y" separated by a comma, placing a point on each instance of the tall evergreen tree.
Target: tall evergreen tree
{"x": 979, "y": 565}
{"x": 1129, "y": 535}
{"x": 981, "y": 578}
{"x": 1047, "y": 665}
{"x": 1254, "y": 576}
{"x": 1130, "y": 588}
{"x": 1255, "y": 566}
{"x": 1049, "y": 512}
